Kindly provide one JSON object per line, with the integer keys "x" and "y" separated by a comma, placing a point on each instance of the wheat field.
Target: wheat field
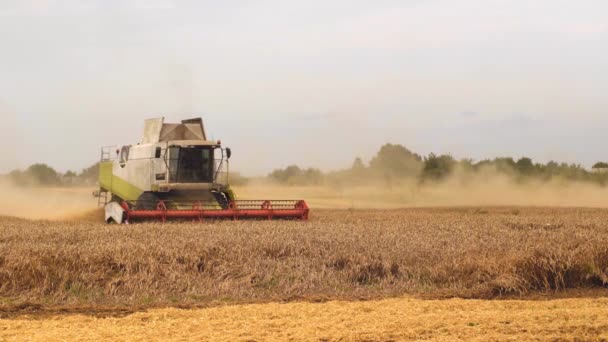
{"x": 338, "y": 254}
{"x": 384, "y": 320}
{"x": 374, "y": 275}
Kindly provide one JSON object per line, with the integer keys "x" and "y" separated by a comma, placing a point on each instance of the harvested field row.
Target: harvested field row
{"x": 386, "y": 320}
{"x": 341, "y": 254}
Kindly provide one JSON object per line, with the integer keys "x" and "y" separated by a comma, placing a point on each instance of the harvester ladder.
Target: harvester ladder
{"x": 105, "y": 154}
{"x": 102, "y": 194}
{"x": 102, "y": 198}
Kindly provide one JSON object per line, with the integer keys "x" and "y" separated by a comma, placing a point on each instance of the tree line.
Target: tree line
{"x": 394, "y": 163}
{"x": 44, "y": 175}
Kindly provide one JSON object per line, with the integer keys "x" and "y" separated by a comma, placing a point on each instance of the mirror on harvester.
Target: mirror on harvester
{"x": 228, "y": 152}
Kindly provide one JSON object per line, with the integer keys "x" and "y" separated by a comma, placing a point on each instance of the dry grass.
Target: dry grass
{"x": 471, "y": 253}
{"x": 386, "y": 320}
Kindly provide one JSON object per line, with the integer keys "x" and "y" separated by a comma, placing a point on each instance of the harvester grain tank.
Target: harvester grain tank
{"x": 175, "y": 172}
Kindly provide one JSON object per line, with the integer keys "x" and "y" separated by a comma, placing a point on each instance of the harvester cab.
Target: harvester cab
{"x": 176, "y": 172}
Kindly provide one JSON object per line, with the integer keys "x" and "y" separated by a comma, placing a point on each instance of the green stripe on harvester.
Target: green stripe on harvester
{"x": 231, "y": 194}
{"x": 125, "y": 190}
{"x": 105, "y": 175}
{"x": 117, "y": 185}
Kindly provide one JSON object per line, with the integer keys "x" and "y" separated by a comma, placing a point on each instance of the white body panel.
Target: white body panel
{"x": 114, "y": 212}
{"x": 141, "y": 166}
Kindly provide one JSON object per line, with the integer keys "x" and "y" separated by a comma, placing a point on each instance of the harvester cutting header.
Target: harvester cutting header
{"x": 175, "y": 172}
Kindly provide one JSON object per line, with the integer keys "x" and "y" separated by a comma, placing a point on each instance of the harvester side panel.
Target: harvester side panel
{"x": 105, "y": 175}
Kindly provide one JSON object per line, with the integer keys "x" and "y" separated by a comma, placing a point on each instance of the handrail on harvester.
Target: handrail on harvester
{"x": 240, "y": 209}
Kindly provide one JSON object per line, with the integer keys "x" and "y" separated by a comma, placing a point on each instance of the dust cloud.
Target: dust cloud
{"x": 459, "y": 190}
{"x": 484, "y": 189}
{"x": 45, "y": 203}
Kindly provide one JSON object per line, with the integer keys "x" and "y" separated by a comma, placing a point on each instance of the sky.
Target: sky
{"x": 314, "y": 83}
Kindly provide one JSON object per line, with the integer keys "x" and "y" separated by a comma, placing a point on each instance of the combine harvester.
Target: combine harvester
{"x": 176, "y": 173}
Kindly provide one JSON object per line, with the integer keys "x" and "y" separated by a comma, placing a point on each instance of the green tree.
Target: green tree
{"x": 525, "y": 166}
{"x": 466, "y": 165}
{"x": 18, "y": 177}
{"x": 89, "y": 175}
{"x": 600, "y": 165}
{"x": 437, "y": 167}
{"x": 506, "y": 165}
{"x": 310, "y": 176}
{"x": 358, "y": 165}
{"x": 294, "y": 175}
{"x": 283, "y": 175}
{"x": 69, "y": 178}
{"x": 42, "y": 174}
{"x": 398, "y": 161}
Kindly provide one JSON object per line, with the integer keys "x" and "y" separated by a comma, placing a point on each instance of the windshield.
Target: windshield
{"x": 191, "y": 164}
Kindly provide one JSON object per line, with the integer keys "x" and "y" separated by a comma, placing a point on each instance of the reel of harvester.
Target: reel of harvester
{"x": 201, "y": 211}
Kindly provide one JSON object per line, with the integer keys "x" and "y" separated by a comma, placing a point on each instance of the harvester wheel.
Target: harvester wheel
{"x": 146, "y": 201}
